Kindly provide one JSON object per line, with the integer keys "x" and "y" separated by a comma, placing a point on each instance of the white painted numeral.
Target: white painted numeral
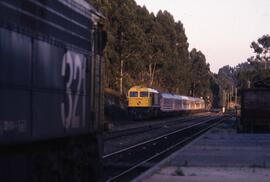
{"x": 77, "y": 75}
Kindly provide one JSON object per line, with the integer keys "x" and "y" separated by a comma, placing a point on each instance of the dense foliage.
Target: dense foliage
{"x": 151, "y": 50}
{"x": 247, "y": 74}
{"x": 256, "y": 68}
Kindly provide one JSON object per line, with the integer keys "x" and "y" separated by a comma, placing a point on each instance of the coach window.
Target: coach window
{"x": 186, "y": 104}
{"x": 143, "y": 94}
{"x": 133, "y": 94}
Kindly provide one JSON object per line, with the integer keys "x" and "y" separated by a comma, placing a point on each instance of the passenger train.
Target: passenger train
{"x": 146, "y": 102}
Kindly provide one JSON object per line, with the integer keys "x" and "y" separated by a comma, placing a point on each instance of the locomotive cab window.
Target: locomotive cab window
{"x": 143, "y": 94}
{"x": 133, "y": 94}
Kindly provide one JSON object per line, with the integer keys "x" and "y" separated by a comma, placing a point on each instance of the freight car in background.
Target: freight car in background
{"x": 51, "y": 91}
{"x": 255, "y": 110}
{"x": 115, "y": 107}
{"x": 146, "y": 102}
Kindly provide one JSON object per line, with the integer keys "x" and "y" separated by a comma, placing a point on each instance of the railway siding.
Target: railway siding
{"x": 129, "y": 162}
{"x": 127, "y": 125}
{"x": 219, "y": 155}
{"x": 119, "y": 139}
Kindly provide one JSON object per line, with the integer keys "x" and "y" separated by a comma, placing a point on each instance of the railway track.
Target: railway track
{"x": 125, "y": 138}
{"x": 127, "y": 163}
{"x": 131, "y": 131}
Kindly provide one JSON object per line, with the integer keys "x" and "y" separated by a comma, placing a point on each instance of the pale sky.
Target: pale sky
{"x": 221, "y": 29}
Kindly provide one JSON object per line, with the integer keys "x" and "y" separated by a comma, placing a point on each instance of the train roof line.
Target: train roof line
{"x": 83, "y": 7}
{"x": 175, "y": 96}
{"x": 144, "y": 89}
{"x": 167, "y": 95}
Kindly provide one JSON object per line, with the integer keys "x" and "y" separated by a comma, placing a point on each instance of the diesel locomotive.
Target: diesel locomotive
{"x": 147, "y": 102}
{"x": 51, "y": 91}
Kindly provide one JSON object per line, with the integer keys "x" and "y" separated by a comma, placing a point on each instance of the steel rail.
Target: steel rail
{"x": 157, "y": 138}
{"x": 120, "y": 133}
{"x": 167, "y": 149}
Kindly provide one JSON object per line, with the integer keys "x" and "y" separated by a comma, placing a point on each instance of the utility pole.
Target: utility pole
{"x": 232, "y": 95}
{"x": 227, "y": 97}
{"x": 193, "y": 90}
{"x": 235, "y": 96}
{"x": 249, "y": 83}
{"x": 229, "y": 103}
{"x": 224, "y": 99}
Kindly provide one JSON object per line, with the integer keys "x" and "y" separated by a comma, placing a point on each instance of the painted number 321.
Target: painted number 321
{"x": 75, "y": 65}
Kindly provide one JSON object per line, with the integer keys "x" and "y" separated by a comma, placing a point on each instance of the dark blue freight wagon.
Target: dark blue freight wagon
{"x": 51, "y": 91}
{"x": 255, "y": 110}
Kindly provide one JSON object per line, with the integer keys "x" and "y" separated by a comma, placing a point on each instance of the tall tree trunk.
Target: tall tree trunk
{"x": 152, "y": 68}
{"x": 152, "y": 75}
{"x": 121, "y": 76}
